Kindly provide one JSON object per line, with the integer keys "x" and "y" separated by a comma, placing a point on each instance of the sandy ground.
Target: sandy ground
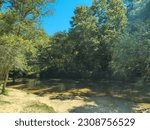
{"x": 17, "y": 100}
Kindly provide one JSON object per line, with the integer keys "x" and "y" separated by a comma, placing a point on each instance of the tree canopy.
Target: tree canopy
{"x": 19, "y": 35}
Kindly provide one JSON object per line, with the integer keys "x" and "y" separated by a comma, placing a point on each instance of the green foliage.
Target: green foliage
{"x": 85, "y": 51}
{"x": 12, "y": 48}
{"x": 28, "y": 9}
{"x": 131, "y": 55}
{"x": 138, "y": 9}
{"x": 93, "y": 31}
{"x": 144, "y": 14}
{"x": 20, "y": 39}
{"x": 100, "y": 44}
{"x": 102, "y": 41}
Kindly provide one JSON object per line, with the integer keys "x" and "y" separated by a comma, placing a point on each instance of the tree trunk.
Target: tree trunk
{"x": 14, "y": 80}
{"x": 5, "y": 83}
{"x": 3, "y": 89}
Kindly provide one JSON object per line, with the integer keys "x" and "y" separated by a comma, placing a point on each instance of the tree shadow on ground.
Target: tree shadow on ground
{"x": 105, "y": 104}
{"x": 109, "y": 96}
{"x": 68, "y": 89}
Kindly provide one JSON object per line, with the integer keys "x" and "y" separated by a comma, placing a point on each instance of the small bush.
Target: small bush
{"x": 38, "y": 108}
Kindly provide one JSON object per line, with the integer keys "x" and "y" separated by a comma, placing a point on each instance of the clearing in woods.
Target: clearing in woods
{"x": 75, "y": 96}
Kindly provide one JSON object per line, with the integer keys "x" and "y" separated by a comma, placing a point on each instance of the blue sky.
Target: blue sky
{"x": 63, "y": 11}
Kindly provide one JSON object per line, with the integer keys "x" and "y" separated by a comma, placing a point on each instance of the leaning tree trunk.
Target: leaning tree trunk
{"x": 5, "y": 83}
{"x": 3, "y": 89}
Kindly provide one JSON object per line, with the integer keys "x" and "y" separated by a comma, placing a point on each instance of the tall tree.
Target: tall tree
{"x": 93, "y": 31}
{"x": 18, "y": 23}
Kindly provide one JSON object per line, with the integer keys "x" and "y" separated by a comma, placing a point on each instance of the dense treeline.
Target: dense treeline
{"x": 107, "y": 40}
{"x": 110, "y": 39}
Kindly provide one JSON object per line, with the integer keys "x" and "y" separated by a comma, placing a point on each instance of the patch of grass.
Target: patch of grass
{"x": 6, "y": 93}
{"x": 4, "y": 102}
{"x": 38, "y": 108}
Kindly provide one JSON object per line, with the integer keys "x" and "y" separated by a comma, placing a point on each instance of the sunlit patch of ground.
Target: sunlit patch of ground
{"x": 20, "y": 101}
{"x": 67, "y": 105}
{"x": 142, "y": 107}
{"x": 73, "y": 93}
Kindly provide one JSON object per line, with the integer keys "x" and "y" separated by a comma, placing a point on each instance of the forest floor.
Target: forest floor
{"x": 76, "y": 96}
